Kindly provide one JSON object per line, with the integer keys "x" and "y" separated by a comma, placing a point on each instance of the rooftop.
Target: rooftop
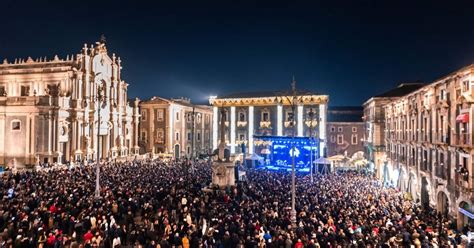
{"x": 257, "y": 94}
{"x": 345, "y": 114}
{"x": 402, "y": 89}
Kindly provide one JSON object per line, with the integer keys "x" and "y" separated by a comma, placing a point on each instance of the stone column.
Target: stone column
{"x": 215, "y": 125}
{"x": 279, "y": 120}
{"x": 299, "y": 122}
{"x": 232, "y": 130}
{"x": 322, "y": 129}
{"x": 251, "y": 131}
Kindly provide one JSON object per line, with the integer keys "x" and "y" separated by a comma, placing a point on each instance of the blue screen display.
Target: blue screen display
{"x": 282, "y": 152}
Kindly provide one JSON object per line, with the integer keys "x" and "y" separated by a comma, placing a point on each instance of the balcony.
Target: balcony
{"x": 265, "y": 124}
{"x": 441, "y": 172}
{"x": 440, "y": 138}
{"x": 241, "y": 124}
{"x": 463, "y": 139}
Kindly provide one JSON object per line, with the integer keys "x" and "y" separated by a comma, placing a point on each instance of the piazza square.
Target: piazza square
{"x": 236, "y": 125}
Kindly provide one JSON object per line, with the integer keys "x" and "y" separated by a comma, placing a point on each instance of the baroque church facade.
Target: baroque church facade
{"x": 50, "y": 109}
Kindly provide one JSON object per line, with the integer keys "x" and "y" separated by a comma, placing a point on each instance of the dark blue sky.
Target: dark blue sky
{"x": 350, "y": 50}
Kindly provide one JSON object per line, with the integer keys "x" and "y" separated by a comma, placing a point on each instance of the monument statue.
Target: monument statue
{"x": 223, "y": 166}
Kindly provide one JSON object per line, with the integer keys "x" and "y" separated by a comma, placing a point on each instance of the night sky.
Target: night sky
{"x": 195, "y": 49}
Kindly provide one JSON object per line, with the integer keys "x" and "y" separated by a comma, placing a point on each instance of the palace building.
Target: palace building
{"x": 252, "y": 118}
{"x": 345, "y": 130}
{"x": 374, "y": 118}
{"x": 49, "y": 109}
{"x": 429, "y": 144}
{"x": 175, "y": 126}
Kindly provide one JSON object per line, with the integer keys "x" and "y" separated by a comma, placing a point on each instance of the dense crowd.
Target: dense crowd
{"x": 157, "y": 204}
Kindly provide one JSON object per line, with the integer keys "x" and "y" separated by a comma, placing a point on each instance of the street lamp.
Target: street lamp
{"x": 294, "y": 100}
{"x": 100, "y": 99}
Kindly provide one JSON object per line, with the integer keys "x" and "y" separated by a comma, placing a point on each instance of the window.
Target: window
{"x": 354, "y": 129}
{"x": 354, "y": 139}
{"x": 189, "y": 136}
{"x": 241, "y": 136}
{"x": 159, "y": 114}
{"x": 333, "y": 139}
{"x": 199, "y": 136}
{"x": 3, "y": 92}
{"x": 465, "y": 85}
{"x": 143, "y": 136}
{"x": 333, "y": 129}
{"x": 265, "y": 116}
{"x": 177, "y": 116}
{"x": 25, "y": 90}
{"x": 225, "y": 115}
{"x": 289, "y": 116}
{"x": 340, "y": 139}
{"x": 16, "y": 125}
{"x": 189, "y": 150}
{"x": 241, "y": 116}
{"x": 339, "y": 129}
{"x": 159, "y": 135}
{"x": 143, "y": 115}
{"x": 190, "y": 117}
{"x": 198, "y": 118}
{"x": 177, "y": 136}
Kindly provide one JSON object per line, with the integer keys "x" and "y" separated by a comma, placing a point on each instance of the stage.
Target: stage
{"x": 278, "y": 152}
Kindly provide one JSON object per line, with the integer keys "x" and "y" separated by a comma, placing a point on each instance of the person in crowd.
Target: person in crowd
{"x": 152, "y": 203}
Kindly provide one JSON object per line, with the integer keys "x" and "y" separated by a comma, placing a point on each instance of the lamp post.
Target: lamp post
{"x": 293, "y": 99}
{"x": 99, "y": 100}
{"x": 293, "y": 177}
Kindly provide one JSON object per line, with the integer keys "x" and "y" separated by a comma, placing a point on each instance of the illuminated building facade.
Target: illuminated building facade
{"x": 374, "y": 118}
{"x": 49, "y": 109}
{"x": 429, "y": 144}
{"x": 268, "y": 114}
{"x": 175, "y": 126}
{"x": 345, "y": 131}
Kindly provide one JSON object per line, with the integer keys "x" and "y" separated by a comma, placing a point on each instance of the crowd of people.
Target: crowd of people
{"x": 151, "y": 203}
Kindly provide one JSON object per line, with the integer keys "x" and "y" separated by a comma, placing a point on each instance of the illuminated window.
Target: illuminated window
{"x": 159, "y": 114}
{"x": 354, "y": 139}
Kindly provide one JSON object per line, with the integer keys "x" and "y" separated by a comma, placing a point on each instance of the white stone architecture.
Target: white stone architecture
{"x": 374, "y": 118}
{"x": 429, "y": 144}
{"x": 175, "y": 127}
{"x": 268, "y": 114}
{"x": 49, "y": 109}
